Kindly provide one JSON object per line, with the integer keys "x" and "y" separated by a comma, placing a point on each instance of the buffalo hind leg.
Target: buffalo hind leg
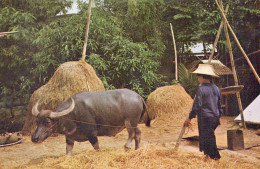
{"x": 69, "y": 146}
{"x": 137, "y": 138}
{"x": 94, "y": 142}
{"x": 131, "y": 134}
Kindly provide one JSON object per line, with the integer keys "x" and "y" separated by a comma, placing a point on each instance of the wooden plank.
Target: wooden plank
{"x": 231, "y": 89}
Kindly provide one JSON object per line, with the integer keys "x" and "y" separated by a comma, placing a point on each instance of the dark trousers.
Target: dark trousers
{"x": 207, "y": 139}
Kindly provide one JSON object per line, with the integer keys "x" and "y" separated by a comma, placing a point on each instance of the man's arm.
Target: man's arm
{"x": 195, "y": 108}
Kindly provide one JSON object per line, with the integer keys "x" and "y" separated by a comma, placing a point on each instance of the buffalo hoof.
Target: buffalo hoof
{"x": 69, "y": 155}
{"x": 137, "y": 148}
{"x": 127, "y": 148}
{"x": 96, "y": 146}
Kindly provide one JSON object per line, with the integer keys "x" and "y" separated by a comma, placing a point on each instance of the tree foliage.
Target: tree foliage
{"x": 189, "y": 81}
{"x": 40, "y": 9}
{"x": 128, "y": 39}
{"x": 118, "y": 61}
{"x": 15, "y": 52}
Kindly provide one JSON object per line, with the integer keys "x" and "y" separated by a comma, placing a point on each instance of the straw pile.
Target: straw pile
{"x": 168, "y": 105}
{"x": 70, "y": 78}
{"x": 153, "y": 158}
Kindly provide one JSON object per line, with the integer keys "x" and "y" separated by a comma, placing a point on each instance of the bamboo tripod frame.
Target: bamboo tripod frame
{"x": 224, "y": 23}
{"x": 234, "y": 74}
{"x": 217, "y": 37}
{"x": 239, "y": 45}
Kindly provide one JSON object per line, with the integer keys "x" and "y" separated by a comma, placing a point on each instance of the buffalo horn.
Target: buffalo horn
{"x": 35, "y": 110}
{"x": 64, "y": 112}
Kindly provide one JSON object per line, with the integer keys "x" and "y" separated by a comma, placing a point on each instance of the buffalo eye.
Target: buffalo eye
{"x": 43, "y": 121}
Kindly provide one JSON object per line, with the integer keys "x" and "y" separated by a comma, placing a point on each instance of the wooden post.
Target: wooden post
{"x": 86, "y": 33}
{"x": 240, "y": 47}
{"x": 217, "y": 37}
{"x": 234, "y": 73}
{"x": 175, "y": 52}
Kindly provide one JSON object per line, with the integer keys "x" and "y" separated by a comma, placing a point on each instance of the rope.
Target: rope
{"x": 107, "y": 125}
{"x": 50, "y": 128}
{"x": 103, "y": 125}
{"x": 94, "y": 124}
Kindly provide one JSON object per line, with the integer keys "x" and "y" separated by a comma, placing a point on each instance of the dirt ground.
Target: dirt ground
{"x": 28, "y": 154}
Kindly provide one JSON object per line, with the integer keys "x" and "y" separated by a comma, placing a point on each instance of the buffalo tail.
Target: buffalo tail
{"x": 148, "y": 121}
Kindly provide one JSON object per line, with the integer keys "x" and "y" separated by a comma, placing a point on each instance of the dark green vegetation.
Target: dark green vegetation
{"x": 129, "y": 41}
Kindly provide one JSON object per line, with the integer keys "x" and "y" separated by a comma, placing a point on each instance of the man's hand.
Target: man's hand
{"x": 187, "y": 122}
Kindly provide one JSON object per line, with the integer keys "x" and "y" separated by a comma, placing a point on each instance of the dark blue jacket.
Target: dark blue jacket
{"x": 207, "y": 102}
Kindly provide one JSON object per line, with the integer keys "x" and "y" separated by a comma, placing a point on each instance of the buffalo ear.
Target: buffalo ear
{"x": 64, "y": 112}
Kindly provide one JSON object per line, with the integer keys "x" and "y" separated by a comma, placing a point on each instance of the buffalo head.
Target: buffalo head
{"x": 46, "y": 121}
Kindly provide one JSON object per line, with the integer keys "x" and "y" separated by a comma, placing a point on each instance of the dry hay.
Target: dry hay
{"x": 152, "y": 157}
{"x": 168, "y": 105}
{"x": 70, "y": 78}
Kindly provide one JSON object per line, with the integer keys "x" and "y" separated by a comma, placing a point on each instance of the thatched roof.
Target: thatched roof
{"x": 219, "y": 67}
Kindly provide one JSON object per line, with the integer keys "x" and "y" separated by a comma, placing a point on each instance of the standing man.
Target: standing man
{"x": 207, "y": 106}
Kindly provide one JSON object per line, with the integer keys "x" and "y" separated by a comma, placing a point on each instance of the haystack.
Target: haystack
{"x": 70, "y": 78}
{"x": 168, "y": 105}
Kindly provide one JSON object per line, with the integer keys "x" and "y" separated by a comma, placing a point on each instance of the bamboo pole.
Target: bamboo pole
{"x": 217, "y": 37}
{"x": 86, "y": 33}
{"x": 4, "y": 33}
{"x": 175, "y": 52}
{"x": 240, "y": 47}
{"x": 253, "y": 53}
{"x": 179, "y": 138}
{"x": 234, "y": 72}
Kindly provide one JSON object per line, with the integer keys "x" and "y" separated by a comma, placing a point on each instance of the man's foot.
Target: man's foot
{"x": 206, "y": 158}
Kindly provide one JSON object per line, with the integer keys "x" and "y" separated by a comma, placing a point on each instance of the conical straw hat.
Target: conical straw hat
{"x": 205, "y": 69}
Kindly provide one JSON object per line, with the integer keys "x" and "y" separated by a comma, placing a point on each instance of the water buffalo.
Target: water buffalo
{"x": 87, "y": 115}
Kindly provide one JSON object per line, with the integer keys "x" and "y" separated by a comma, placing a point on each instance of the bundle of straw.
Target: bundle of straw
{"x": 70, "y": 78}
{"x": 168, "y": 104}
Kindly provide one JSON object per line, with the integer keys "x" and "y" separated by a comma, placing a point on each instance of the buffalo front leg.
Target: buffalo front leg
{"x": 69, "y": 146}
{"x": 137, "y": 138}
{"x": 91, "y": 134}
{"x": 94, "y": 142}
